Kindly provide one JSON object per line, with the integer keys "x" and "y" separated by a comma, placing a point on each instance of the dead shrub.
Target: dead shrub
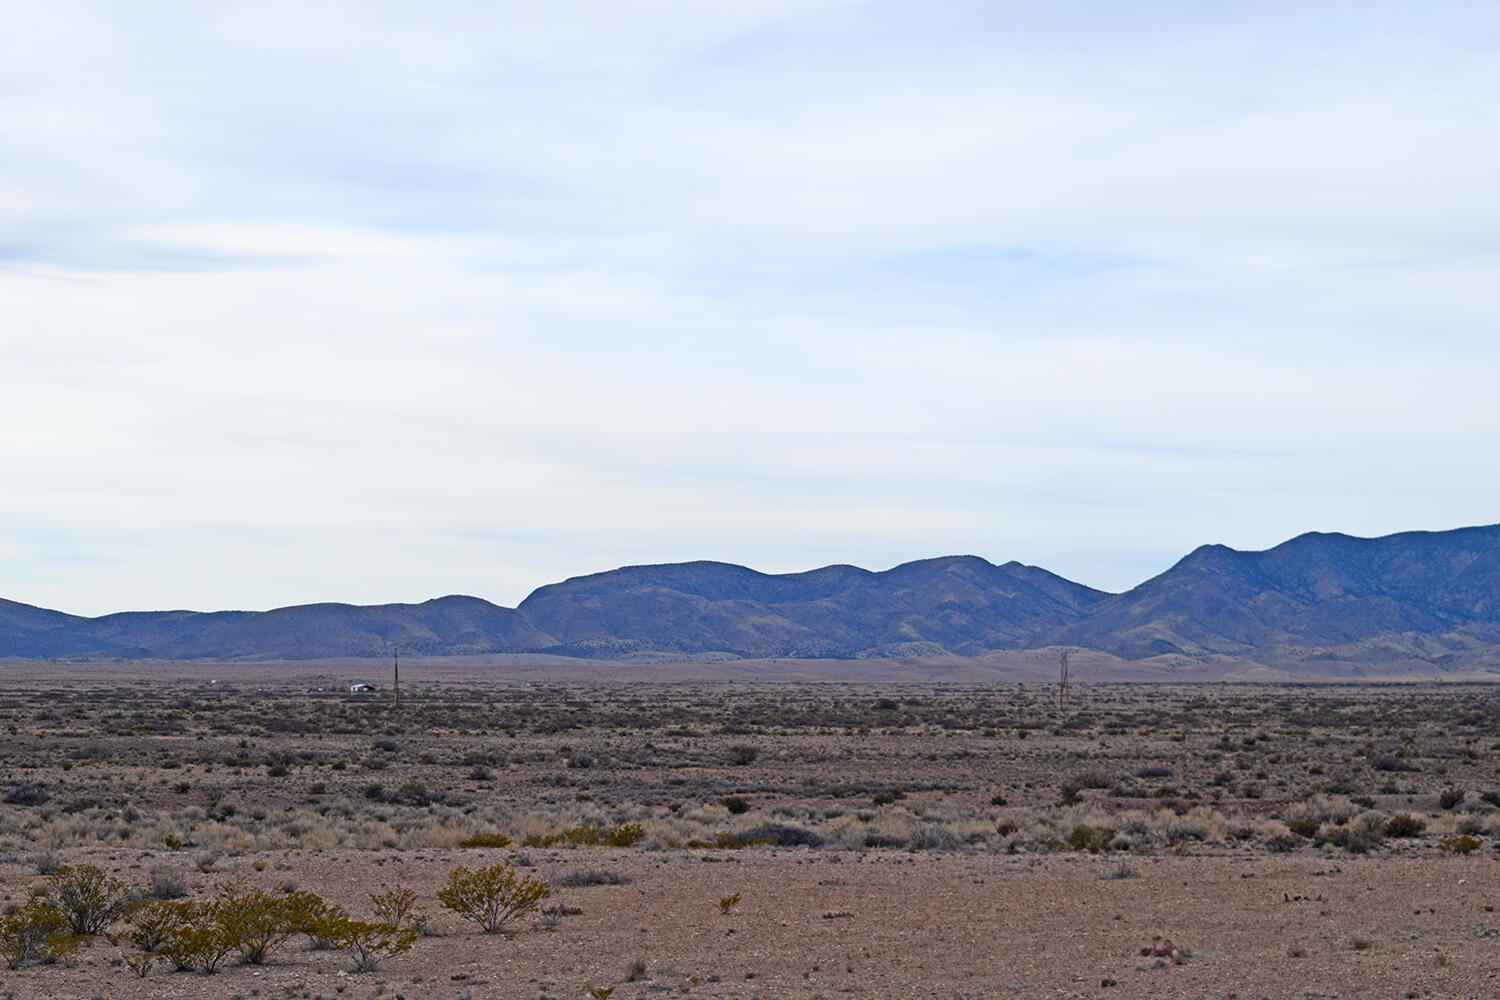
{"x": 486, "y": 840}
{"x": 741, "y": 754}
{"x": 27, "y": 793}
{"x": 1094, "y": 839}
{"x": 774, "y": 835}
{"x": 590, "y": 877}
{"x": 167, "y": 882}
{"x": 933, "y": 837}
{"x": 1404, "y": 825}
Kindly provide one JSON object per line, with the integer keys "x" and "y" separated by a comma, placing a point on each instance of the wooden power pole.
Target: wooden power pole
{"x": 1062, "y": 683}
{"x": 396, "y": 674}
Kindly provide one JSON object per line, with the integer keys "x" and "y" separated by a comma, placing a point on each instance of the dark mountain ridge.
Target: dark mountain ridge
{"x": 1429, "y": 596}
{"x": 1314, "y": 592}
{"x": 958, "y": 604}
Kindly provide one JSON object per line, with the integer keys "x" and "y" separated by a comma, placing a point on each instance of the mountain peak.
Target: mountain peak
{"x": 1422, "y": 596}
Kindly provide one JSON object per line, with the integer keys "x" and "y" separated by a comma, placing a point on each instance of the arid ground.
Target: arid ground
{"x": 902, "y": 839}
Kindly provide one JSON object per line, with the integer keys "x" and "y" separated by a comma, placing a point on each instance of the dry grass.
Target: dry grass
{"x": 193, "y": 767}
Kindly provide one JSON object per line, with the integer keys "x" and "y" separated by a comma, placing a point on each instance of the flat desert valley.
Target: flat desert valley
{"x": 704, "y": 836}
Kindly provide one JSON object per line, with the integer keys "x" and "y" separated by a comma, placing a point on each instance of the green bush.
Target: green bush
{"x": 151, "y": 920}
{"x": 1460, "y": 844}
{"x": 258, "y": 922}
{"x": 331, "y": 928}
{"x": 194, "y": 941}
{"x": 86, "y": 896}
{"x": 36, "y": 933}
{"x": 625, "y": 835}
{"x": 398, "y": 907}
{"x": 492, "y": 897}
{"x": 589, "y": 835}
{"x": 323, "y": 926}
{"x": 198, "y": 936}
{"x": 369, "y": 942}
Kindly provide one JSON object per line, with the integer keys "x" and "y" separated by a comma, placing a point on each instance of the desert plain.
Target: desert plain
{"x": 702, "y": 835}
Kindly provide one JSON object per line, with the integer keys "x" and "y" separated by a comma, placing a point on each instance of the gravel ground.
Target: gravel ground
{"x": 876, "y": 924}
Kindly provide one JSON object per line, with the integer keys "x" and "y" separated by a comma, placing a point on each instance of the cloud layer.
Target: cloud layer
{"x": 364, "y": 302}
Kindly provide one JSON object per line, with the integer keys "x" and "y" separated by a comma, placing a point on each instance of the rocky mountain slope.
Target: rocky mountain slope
{"x": 1432, "y": 597}
{"x": 1329, "y": 596}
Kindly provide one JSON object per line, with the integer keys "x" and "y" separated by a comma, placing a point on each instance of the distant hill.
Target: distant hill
{"x": 1429, "y": 595}
{"x": 958, "y": 604}
{"x": 447, "y": 626}
{"x": 39, "y": 634}
{"x": 1319, "y": 599}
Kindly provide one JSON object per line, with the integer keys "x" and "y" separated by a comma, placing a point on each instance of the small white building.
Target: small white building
{"x": 363, "y": 688}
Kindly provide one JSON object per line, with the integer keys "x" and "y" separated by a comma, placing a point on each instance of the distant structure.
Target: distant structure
{"x": 1064, "y": 691}
{"x": 396, "y": 675}
{"x": 363, "y": 688}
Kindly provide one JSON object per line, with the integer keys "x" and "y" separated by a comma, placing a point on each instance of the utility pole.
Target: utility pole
{"x": 1062, "y": 685}
{"x": 396, "y": 672}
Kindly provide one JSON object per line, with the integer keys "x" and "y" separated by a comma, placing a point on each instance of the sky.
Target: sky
{"x": 377, "y": 302}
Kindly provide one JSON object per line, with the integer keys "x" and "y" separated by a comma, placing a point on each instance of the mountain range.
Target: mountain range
{"x": 1417, "y": 597}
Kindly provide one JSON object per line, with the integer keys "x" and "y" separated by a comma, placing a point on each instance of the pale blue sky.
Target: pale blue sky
{"x": 382, "y": 301}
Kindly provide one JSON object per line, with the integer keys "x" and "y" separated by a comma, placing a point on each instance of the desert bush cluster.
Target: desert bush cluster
{"x": 75, "y": 904}
{"x": 699, "y": 767}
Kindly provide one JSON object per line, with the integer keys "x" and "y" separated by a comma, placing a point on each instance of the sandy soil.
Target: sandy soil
{"x": 883, "y": 924}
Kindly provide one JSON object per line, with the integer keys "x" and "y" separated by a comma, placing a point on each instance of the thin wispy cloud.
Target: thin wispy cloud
{"x": 369, "y": 302}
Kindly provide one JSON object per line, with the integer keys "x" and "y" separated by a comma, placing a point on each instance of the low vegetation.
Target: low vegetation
{"x": 196, "y": 771}
{"x": 36, "y": 932}
{"x": 74, "y": 904}
{"x": 493, "y": 897}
